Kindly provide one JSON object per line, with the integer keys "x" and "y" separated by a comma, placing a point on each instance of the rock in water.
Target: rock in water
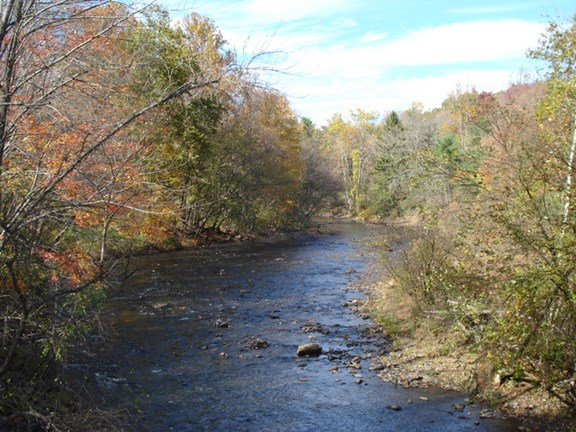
{"x": 221, "y": 324}
{"x": 257, "y": 344}
{"x": 311, "y": 349}
{"x": 459, "y": 407}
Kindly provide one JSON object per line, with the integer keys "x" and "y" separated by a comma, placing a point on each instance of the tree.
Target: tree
{"x": 558, "y": 48}
{"x": 260, "y": 159}
{"x": 390, "y": 186}
{"x": 319, "y": 186}
{"x": 191, "y": 153}
{"x": 527, "y": 254}
{"x": 402, "y": 180}
{"x": 66, "y": 162}
{"x": 351, "y": 145}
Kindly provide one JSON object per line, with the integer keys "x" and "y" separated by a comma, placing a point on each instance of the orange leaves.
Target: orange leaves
{"x": 71, "y": 266}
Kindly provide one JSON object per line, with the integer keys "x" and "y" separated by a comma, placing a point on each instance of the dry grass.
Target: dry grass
{"x": 423, "y": 351}
{"x": 426, "y": 351}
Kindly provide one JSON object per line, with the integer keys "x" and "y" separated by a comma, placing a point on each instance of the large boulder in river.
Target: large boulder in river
{"x": 311, "y": 349}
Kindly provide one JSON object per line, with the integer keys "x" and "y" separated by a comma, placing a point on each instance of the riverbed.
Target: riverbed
{"x": 205, "y": 340}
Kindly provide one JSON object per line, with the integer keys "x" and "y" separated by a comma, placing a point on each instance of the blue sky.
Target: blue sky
{"x": 340, "y": 55}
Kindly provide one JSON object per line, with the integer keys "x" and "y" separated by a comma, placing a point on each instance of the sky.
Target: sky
{"x": 335, "y": 56}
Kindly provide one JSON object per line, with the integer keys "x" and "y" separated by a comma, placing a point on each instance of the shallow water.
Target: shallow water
{"x": 182, "y": 357}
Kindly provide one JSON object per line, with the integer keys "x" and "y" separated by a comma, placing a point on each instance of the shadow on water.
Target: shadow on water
{"x": 205, "y": 340}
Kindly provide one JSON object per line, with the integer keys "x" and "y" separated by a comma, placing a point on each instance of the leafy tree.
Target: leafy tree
{"x": 320, "y": 186}
{"x": 389, "y": 185}
{"x": 527, "y": 252}
{"x": 402, "y": 181}
{"x": 541, "y": 316}
{"x": 558, "y": 48}
{"x": 262, "y": 160}
{"x": 182, "y": 141}
{"x": 351, "y": 145}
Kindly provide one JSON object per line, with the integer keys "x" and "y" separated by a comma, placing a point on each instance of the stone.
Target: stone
{"x": 313, "y": 327}
{"x": 394, "y": 407}
{"x": 258, "y": 344}
{"x": 376, "y": 367}
{"x": 459, "y": 407}
{"x": 310, "y": 349}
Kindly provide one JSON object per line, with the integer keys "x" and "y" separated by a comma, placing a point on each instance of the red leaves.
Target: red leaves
{"x": 72, "y": 266}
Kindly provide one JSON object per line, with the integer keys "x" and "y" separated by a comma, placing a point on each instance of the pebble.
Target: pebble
{"x": 310, "y": 349}
{"x": 394, "y": 407}
{"x": 257, "y": 344}
{"x": 221, "y": 324}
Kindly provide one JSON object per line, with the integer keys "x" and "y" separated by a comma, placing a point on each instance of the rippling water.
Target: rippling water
{"x": 182, "y": 354}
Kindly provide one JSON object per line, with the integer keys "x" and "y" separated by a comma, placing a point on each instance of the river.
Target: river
{"x": 205, "y": 340}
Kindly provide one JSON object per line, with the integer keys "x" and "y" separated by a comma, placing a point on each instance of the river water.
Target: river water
{"x": 205, "y": 340}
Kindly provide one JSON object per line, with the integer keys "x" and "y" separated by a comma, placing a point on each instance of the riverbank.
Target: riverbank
{"x": 427, "y": 350}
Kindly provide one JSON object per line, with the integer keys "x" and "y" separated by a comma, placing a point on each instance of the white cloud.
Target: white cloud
{"x": 395, "y": 94}
{"x": 483, "y": 41}
{"x": 346, "y": 23}
{"x": 263, "y": 13}
{"x": 372, "y": 37}
{"x": 464, "y": 42}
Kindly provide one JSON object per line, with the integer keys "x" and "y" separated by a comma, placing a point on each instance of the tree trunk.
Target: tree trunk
{"x": 568, "y": 198}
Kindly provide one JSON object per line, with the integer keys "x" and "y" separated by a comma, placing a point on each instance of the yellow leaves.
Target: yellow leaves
{"x": 85, "y": 219}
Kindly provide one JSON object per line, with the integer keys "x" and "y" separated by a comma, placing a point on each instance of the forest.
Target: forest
{"x": 122, "y": 133}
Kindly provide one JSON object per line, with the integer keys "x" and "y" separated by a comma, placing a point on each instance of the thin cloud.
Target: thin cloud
{"x": 372, "y": 37}
{"x": 498, "y": 9}
{"x": 378, "y": 72}
{"x": 454, "y": 44}
{"x": 266, "y": 11}
{"x": 344, "y": 22}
